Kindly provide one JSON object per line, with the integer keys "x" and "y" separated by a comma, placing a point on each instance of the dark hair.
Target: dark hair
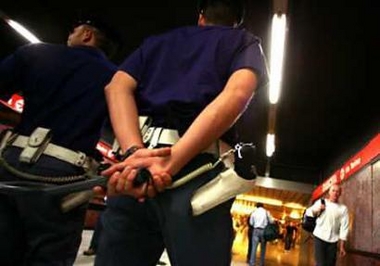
{"x": 107, "y": 39}
{"x": 259, "y": 204}
{"x": 222, "y": 12}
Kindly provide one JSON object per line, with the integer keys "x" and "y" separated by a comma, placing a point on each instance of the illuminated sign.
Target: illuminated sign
{"x": 357, "y": 162}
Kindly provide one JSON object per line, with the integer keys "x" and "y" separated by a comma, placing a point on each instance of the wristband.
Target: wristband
{"x": 131, "y": 150}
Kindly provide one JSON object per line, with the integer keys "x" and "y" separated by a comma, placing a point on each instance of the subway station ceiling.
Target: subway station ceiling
{"x": 329, "y": 105}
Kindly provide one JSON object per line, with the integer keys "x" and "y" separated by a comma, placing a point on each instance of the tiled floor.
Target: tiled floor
{"x": 275, "y": 255}
{"x": 89, "y": 260}
{"x": 81, "y": 259}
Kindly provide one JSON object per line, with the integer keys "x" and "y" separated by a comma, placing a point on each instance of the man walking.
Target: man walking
{"x": 259, "y": 219}
{"x": 331, "y": 228}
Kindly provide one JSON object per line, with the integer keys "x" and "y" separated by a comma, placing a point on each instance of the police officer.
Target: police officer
{"x": 54, "y": 142}
{"x": 194, "y": 82}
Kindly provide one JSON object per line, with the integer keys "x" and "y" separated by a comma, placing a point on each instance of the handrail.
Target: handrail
{"x": 364, "y": 253}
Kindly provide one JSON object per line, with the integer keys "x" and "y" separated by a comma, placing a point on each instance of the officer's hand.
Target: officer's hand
{"x": 123, "y": 183}
{"x": 139, "y": 154}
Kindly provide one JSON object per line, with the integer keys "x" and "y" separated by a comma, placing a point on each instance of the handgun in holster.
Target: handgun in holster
{"x": 229, "y": 183}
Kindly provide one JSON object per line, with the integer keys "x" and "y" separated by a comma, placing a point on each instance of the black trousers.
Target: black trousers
{"x": 96, "y": 234}
{"x": 288, "y": 241}
{"x": 325, "y": 252}
{"x": 136, "y": 234}
{"x": 33, "y": 229}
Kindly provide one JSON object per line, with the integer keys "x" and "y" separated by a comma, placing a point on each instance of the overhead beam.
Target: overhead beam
{"x": 280, "y": 184}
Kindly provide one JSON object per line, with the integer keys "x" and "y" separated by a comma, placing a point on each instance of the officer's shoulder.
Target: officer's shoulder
{"x": 33, "y": 49}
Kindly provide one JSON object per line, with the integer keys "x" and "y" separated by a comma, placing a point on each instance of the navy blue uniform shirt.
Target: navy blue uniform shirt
{"x": 180, "y": 72}
{"x": 63, "y": 89}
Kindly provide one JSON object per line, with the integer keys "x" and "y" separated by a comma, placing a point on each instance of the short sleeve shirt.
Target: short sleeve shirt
{"x": 180, "y": 72}
{"x": 63, "y": 89}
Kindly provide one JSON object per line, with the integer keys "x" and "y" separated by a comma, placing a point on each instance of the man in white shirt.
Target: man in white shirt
{"x": 331, "y": 227}
{"x": 259, "y": 219}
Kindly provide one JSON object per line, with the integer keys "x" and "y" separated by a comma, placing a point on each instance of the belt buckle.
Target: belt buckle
{"x": 148, "y": 135}
{"x": 81, "y": 159}
{"x": 155, "y": 137}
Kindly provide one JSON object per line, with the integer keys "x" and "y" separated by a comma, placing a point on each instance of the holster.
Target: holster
{"x": 36, "y": 145}
{"x": 225, "y": 186}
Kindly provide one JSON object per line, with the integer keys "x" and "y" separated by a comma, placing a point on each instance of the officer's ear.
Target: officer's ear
{"x": 201, "y": 19}
{"x": 88, "y": 34}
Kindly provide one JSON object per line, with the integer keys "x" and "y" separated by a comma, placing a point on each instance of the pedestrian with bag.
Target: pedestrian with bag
{"x": 259, "y": 220}
{"x": 331, "y": 229}
{"x": 290, "y": 236}
{"x": 250, "y": 231}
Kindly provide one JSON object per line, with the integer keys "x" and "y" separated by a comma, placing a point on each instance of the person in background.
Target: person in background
{"x": 53, "y": 142}
{"x": 194, "y": 82}
{"x": 259, "y": 219}
{"x": 331, "y": 228}
{"x": 250, "y": 232}
{"x": 290, "y": 235}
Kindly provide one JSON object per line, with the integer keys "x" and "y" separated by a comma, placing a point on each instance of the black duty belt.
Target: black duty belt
{"x": 31, "y": 187}
{"x": 72, "y": 194}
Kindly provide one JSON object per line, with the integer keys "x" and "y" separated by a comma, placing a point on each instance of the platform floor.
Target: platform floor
{"x": 275, "y": 255}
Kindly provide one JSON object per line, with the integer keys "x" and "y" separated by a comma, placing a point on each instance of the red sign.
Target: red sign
{"x": 16, "y": 103}
{"x": 105, "y": 150}
{"x": 362, "y": 158}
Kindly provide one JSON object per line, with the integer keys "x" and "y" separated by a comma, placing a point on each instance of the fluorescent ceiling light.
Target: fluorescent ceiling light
{"x": 270, "y": 147}
{"x": 276, "y": 56}
{"x": 22, "y": 31}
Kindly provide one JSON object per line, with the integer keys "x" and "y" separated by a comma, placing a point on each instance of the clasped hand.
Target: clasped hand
{"x": 122, "y": 174}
